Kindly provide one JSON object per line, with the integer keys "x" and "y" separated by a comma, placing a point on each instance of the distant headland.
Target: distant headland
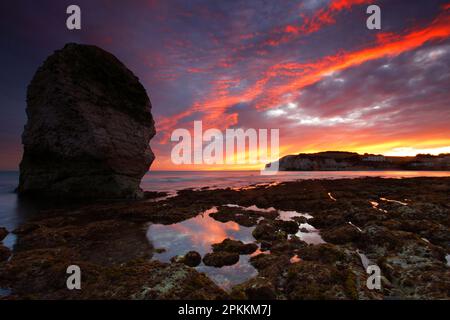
{"x": 352, "y": 161}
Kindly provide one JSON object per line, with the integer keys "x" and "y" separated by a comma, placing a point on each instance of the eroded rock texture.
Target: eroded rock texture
{"x": 88, "y": 130}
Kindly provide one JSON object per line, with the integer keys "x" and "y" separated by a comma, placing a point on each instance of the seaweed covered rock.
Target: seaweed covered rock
{"x": 5, "y": 253}
{"x": 264, "y": 231}
{"x": 258, "y": 288}
{"x": 342, "y": 234}
{"x": 88, "y": 130}
{"x": 42, "y": 273}
{"x": 267, "y": 230}
{"x": 3, "y": 233}
{"x": 290, "y": 227}
{"x": 236, "y": 246}
{"x": 242, "y": 216}
{"x": 191, "y": 259}
{"x": 220, "y": 259}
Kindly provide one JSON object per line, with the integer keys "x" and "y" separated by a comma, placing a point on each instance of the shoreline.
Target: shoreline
{"x": 120, "y": 265}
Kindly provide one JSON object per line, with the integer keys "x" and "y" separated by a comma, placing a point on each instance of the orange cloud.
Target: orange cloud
{"x": 387, "y": 45}
{"x": 292, "y": 77}
{"x": 320, "y": 19}
{"x": 301, "y": 75}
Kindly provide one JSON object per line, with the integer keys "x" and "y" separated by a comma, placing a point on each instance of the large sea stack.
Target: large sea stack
{"x": 88, "y": 130}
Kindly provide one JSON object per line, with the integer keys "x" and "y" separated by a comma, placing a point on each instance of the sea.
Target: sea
{"x": 14, "y": 212}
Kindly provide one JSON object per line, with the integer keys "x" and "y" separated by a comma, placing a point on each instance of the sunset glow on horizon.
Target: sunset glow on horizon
{"x": 309, "y": 68}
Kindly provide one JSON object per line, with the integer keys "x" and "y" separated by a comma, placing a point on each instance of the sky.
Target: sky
{"x": 309, "y": 68}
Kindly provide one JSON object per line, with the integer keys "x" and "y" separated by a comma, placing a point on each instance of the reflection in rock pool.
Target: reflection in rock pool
{"x": 201, "y": 232}
{"x": 306, "y": 232}
{"x": 309, "y": 234}
{"x": 198, "y": 234}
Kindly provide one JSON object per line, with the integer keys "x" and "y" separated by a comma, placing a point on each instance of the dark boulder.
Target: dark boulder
{"x": 236, "y": 246}
{"x": 191, "y": 259}
{"x": 342, "y": 234}
{"x": 258, "y": 288}
{"x": 3, "y": 233}
{"x": 5, "y": 253}
{"x": 264, "y": 231}
{"x": 88, "y": 130}
{"x": 220, "y": 259}
{"x": 290, "y": 227}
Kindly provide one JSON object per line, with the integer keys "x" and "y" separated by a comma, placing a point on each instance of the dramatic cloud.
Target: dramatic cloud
{"x": 310, "y": 68}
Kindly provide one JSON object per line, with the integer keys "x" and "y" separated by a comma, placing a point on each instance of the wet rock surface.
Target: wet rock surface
{"x": 242, "y": 216}
{"x": 342, "y": 234}
{"x": 408, "y": 241}
{"x": 290, "y": 227}
{"x": 3, "y": 233}
{"x": 269, "y": 231}
{"x": 88, "y": 130}
{"x": 235, "y": 246}
{"x": 191, "y": 259}
{"x": 220, "y": 259}
{"x": 5, "y": 253}
{"x": 258, "y": 288}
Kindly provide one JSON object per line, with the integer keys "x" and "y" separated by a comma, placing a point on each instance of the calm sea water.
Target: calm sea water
{"x": 177, "y": 180}
{"x": 14, "y": 212}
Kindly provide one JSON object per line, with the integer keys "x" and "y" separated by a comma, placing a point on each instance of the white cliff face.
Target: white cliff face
{"x": 306, "y": 164}
{"x": 88, "y": 130}
{"x": 342, "y": 160}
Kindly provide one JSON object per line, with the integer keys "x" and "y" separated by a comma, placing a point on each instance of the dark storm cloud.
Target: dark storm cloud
{"x": 226, "y": 62}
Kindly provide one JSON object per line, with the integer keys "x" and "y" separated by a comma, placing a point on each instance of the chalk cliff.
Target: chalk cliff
{"x": 348, "y": 161}
{"x": 88, "y": 130}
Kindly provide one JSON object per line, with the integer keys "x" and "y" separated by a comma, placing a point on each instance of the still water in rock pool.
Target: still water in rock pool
{"x": 198, "y": 234}
{"x": 201, "y": 232}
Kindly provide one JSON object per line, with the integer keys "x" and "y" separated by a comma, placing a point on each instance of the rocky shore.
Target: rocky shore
{"x": 400, "y": 225}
